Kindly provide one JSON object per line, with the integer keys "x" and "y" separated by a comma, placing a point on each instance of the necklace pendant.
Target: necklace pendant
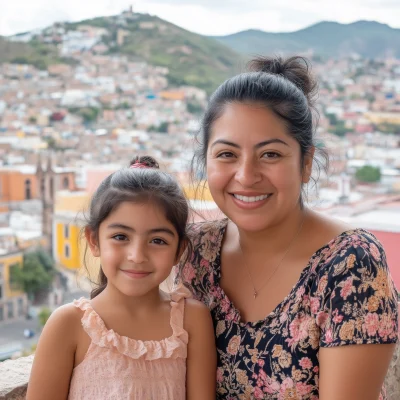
{"x": 255, "y": 295}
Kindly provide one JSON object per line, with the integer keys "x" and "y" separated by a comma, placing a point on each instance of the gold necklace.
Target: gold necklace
{"x": 255, "y": 291}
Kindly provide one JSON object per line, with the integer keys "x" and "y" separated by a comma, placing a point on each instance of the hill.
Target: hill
{"x": 366, "y": 38}
{"x": 192, "y": 59}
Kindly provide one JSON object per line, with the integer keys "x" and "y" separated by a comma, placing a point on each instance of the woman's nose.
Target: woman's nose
{"x": 248, "y": 173}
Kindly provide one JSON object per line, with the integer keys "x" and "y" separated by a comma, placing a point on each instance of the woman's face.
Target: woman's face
{"x": 254, "y": 167}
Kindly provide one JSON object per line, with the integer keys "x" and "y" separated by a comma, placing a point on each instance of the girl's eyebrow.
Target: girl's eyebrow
{"x": 257, "y": 146}
{"x": 161, "y": 229}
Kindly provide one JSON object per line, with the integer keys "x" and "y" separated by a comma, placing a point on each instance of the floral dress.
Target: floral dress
{"x": 345, "y": 295}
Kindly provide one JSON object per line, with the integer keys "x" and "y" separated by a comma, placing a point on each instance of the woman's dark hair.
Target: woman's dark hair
{"x": 141, "y": 182}
{"x": 283, "y": 85}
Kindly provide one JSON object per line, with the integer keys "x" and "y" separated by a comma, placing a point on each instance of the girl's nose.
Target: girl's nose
{"x": 137, "y": 253}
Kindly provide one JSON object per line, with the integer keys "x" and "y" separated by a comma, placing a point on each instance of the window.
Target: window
{"x": 66, "y": 250}
{"x": 51, "y": 188}
{"x": 20, "y": 307}
{"x": 65, "y": 183}
{"x": 66, "y": 231}
{"x": 1, "y": 281}
{"x": 1, "y": 313}
{"x": 28, "y": 194}
{"x": 10, "y": 307}
{"x": 13, "y": 273}
{"x": 42, "y": 187}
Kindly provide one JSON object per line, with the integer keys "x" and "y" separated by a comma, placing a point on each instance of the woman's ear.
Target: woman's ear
{"x": 92, "y": 242}
{"x": 307, "y": 165}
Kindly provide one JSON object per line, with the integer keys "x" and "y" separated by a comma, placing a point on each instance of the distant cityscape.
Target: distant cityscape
{"x": 65, "y": 127}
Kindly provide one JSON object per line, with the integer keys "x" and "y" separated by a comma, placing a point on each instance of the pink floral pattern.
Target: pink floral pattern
{"x": 345, "y": 295}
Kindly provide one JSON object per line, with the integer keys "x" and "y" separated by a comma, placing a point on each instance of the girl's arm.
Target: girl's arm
{"x": 54, "y": 357}
{"x": 202, "y": 357}
{"x": 353, "y": 372}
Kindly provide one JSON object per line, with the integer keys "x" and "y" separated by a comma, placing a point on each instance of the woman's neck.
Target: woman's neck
{"x": 274, "y": 239}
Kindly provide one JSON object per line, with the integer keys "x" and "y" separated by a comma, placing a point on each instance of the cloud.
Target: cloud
{"x": 209, "y": 17}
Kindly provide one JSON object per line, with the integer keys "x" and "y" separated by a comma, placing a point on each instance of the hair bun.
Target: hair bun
{"x": 145, "y": 162}
{"x": 295, "y": 69}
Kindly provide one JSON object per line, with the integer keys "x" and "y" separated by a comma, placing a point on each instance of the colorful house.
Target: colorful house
{"x": 13, "y": 302}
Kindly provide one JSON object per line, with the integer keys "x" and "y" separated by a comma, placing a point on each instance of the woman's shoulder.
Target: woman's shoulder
{"x": 207, "y": 226}
{"x": 356, "y": 243}
{"x": 356, "y": 258}
{"x": 197, "y": 230}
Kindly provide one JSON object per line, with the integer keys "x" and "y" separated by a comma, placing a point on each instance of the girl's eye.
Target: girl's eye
{"x": 159, "y": 241}
{"x": 271, "y": 154}
{"x": 119, "y": 238}
{"x": 225, "y": 154}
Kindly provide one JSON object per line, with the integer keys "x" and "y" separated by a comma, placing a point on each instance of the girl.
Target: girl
{"x": 131, "y": 340}
{"x": 304, "y": 306}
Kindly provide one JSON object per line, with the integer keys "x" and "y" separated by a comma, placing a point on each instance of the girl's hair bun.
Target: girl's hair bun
{"x": 144, "y": 162}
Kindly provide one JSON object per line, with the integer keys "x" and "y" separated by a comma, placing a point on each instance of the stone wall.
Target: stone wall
{"x": 14, "y": 376}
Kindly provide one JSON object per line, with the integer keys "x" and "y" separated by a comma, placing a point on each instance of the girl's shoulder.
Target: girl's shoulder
{"x": 197, "y": 317}
{"x": 68, "y": 314}
{"x": 192, "y": 313}
{"x": 64, "y": 324}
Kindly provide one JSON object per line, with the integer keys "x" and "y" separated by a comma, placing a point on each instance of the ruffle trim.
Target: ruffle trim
{"x": 174, "y": 346}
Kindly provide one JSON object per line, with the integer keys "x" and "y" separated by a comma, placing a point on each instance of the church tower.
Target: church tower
{"x": 45, "y": 180}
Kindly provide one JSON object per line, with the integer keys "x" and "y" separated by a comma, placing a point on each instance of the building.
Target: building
{"x": 13, "y": 302}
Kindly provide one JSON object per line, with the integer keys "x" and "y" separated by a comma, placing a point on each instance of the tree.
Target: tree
{"x": 35, "y": 274}
{"x": 368, "y": 174}
{"x": 44, "y": 315}
{"x": 194, "y": 107}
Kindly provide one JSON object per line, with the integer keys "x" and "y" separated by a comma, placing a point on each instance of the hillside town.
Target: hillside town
{"x": 64, "y": 128}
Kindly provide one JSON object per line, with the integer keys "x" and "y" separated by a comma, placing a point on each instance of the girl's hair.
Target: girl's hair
{"x": 283, "y": 85}
{"x": 141, "y": 182}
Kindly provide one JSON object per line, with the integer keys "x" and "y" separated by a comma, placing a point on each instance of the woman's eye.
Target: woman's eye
{"x": 271, "y": 154}
{"x": 225, "y": 154}
{"x": 119, "y": 238}
{"x": 158, "y": 241}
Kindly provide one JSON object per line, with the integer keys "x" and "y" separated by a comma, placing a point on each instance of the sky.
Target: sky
{"x": 207, "y": 17}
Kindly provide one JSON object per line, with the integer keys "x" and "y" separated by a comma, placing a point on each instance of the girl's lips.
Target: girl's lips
{"x": 136, "y": 274}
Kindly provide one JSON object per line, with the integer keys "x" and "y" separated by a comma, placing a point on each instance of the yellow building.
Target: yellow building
{"x": 383, "y": 117}
{"x": 69, "y": 243}
{"x": 13, "y": 302}
{"x": 68, "y": 221}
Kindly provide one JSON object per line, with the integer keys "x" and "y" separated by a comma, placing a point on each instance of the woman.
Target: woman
{"x": 303, "y": 306}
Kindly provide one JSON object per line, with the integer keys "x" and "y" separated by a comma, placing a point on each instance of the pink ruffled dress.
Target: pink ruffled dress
{"x": 118, "y": 367}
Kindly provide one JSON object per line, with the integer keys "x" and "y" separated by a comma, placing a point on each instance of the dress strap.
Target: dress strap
{"x": 178, "y": 312}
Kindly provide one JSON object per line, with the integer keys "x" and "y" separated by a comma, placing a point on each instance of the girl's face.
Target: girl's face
{"x": 137, "y": 247}
{"x": 254, "y": 167}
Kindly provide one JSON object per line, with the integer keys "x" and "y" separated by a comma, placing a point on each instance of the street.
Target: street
{"x": 12, "y": 333}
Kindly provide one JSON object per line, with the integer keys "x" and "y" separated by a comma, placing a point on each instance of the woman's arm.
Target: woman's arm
{"x": 54, "y": 356}
{"x": 201, "y": 360}
{"x": 358, "y": 318}
{"x": 353, "y": 372}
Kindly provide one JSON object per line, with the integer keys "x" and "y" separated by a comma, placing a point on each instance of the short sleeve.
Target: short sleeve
{"x": 196, "y": 268}
{"x": 357, "y": 297}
